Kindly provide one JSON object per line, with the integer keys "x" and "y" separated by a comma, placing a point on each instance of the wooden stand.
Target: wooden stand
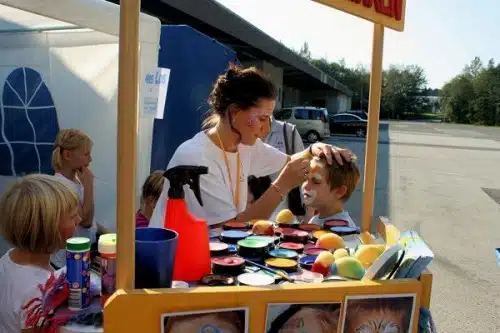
{"x": 130, "y": 310}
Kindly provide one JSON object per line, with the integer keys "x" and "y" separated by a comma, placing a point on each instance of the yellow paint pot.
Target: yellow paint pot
{"x": 287, "y": 265}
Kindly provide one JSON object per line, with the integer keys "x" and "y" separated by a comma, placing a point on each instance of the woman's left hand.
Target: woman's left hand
{"x": 330, "y": 152}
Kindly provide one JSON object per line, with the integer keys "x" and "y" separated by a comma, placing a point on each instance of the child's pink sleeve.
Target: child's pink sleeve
{"x": 140, "y": 220}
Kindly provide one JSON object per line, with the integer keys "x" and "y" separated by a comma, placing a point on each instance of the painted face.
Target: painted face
{"x": 67, "y": 225}
{"x": 252, "y": 123}
{"x": 209, "y": 323}
{"x": 311, "y": 320}
{"x": 316, "y": 189}
{"x": 377, "y": 321}
{"x": 79, "y": 157}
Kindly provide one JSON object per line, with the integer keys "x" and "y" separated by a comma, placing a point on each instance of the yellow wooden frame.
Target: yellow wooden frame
{"x": 130, "y": 310}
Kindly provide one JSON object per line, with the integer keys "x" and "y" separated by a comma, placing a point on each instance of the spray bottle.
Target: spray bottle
{"x": 192, "y": 258}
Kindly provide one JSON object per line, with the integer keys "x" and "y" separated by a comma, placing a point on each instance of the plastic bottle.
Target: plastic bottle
{"x": 107, "y": 250}
{"x": 78, "y": 272}
{"x": 192, "y": 258}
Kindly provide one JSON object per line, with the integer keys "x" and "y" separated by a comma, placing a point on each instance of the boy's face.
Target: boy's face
{"x": 316, "y": 189}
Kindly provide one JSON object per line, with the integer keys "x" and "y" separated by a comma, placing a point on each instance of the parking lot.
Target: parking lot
{"x": 442, "y": 180}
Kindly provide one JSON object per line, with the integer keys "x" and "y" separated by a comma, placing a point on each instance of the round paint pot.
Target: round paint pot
{"x": 269, "y": 239}
{"x": 278, "y": 231}
{"x": 335, "y": 223}
{"x": 297, "y": 247}
{"x": 287, "y": 265}
{"x": 235, "y": 226}
{"x": 232, "y": 248}
{"x": 254, "y": 249}
{"x": 345, "y": 231}
{"x": 216, "y": 280}
{"x": 218, "y": 249}
{"x": 233, "y": 236}
{"x": 307, "y": 277}
{"x": 317, "y": 234}
{"x": 313, "y": 251}
{"x": 282, "y": 253}
{"x": 293, "y": 225}
{"x": 179, "y": 284}
{"x": 306, "y": 262}
{"x": 295, "y": 236}
{"x": 309, "y": 227}
{"x": 230, "y": 265}
{"x": 255, "y": 279}
{"x": 335, "y": 278}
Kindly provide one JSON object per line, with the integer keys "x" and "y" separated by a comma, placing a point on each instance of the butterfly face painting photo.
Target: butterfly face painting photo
{"x": 379, "y": 314}
{"x": 228, "y": 321}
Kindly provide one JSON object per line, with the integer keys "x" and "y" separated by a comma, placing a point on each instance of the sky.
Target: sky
{"x": 442, "y": 36}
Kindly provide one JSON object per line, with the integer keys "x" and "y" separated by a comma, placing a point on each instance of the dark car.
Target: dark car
{"x": 360, "y": 113}
{"x": 347, "y": 123}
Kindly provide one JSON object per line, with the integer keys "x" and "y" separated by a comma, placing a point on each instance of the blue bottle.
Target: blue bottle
{"x": 78, "y": 272}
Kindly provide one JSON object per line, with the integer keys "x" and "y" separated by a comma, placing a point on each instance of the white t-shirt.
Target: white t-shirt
{"x": 258, "y": 160}
{"x": 59, "y": 258}
{"x": 19, "y": 285}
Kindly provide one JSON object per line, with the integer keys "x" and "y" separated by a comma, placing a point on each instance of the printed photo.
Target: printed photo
{"x": 380, "y": 313}
{"x": 302, "y": 318}
{"x": 210, "y": 321}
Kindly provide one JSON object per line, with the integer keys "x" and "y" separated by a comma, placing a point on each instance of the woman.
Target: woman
{"x": 242, "y": 102}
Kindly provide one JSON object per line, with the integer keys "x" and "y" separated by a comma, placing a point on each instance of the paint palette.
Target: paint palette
{"x": 230, "y": 265}
{"x": 233, "y": 236}
{"x": 292, "y": 246}
{"x": 287, "y": 265}
{"x": 255, "y": 279}
{"x": 283, "y": 253}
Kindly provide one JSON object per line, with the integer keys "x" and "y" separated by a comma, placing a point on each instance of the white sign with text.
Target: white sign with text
{"x": 154, "y": 93}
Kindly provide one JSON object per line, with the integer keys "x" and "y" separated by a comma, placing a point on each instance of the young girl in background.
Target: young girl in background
{"x": 70, "y": 160}
{"x": 151, "y": 191}
{"x": 39, "y": 213}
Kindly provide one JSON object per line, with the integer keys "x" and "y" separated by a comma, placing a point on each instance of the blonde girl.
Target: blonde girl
{"x": 71, "y": 159}
{"x": 38, "y": 214}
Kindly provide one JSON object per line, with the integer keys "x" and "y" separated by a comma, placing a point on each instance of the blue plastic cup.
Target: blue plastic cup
{"x": 154, "y": 257}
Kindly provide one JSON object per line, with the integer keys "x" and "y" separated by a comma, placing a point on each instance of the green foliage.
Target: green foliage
{"x": 473, "y": 97}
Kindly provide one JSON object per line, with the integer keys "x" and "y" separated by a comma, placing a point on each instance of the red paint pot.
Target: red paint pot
{"x": 309, "y": 227}
{"x": 292, "y": 246}
{"x": 295, "y": 236}
{"x": 278, "y": 231}
{"x": 230, "y": 265}
{"x": 335, "y": 223}
{"x": 313, "y": 251}
{"x": 235, "y": 226}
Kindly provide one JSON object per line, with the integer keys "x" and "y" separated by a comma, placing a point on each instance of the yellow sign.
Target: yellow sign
{"x": 389, "y": 13}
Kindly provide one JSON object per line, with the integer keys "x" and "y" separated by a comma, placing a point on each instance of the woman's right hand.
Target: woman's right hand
{"x": 294, "y": 173}
{"x": 86, "y": 177}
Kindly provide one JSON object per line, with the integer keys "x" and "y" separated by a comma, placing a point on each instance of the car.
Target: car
{"x": 360, "y": 113}
{"x": 347, "y": 123}
{"x": 311, "y": 122}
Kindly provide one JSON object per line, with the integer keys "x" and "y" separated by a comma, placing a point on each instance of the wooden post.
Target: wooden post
{"x": 127, "y": 138}
{"x": 373, "y": 125}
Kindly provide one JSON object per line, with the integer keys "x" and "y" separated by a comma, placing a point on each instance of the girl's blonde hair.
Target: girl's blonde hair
{"x": 30, "y": 212}
{"x": 68, "y": 139}
{"x": 153, "y": 186}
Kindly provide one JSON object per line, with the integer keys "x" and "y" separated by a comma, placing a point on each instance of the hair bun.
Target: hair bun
{"x": 232, "y": 72}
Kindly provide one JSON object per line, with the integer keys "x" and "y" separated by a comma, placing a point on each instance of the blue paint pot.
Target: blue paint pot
{"x": 344, "y": 231}
{"x": 232, "y": 249}
{"x": 233, "y": 236}
{"x": 283, "y": 253}
{"x": 306, "y": 262}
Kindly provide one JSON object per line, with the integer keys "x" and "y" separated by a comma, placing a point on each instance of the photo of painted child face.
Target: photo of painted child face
{"x": 316, "y": 189}
{"x": 311, "y": 320}
{"x": 303, "y": 318}
{"x": 379, "y": 315}
{"x": 212, "y": 322}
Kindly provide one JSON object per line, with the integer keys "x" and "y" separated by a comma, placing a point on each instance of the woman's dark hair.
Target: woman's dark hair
{"x": 258, "y": 186}
{"x": 239, "y": 87}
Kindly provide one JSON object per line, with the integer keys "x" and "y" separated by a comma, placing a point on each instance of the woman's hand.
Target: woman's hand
{"x": 86, "y": 177}
{"x": 330, "y": 152}
{"x": 293, "y": 174}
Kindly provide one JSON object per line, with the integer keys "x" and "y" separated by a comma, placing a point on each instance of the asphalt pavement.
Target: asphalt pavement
{"x": 443, "y": 181}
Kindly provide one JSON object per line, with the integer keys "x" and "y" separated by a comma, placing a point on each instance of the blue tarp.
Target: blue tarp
{"x": 195, "y": 61}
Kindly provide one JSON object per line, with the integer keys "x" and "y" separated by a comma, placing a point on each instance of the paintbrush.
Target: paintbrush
{"x": 284, "y": 276}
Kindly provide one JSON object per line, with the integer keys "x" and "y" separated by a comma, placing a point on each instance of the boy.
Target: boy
{"x": 327, "y": 188}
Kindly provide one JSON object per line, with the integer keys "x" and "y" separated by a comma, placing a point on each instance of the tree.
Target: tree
{"x": 305, "y": 52}
{"x": 402, "y": 91}
{"x": 456, "y": 99}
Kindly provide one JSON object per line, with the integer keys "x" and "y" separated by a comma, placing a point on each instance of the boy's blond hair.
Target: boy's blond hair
{"x": 68, "y": 139}
{"x": 153, "y": 186}
{"x": 343, "y": 175}
{"x": 30, "y": 212}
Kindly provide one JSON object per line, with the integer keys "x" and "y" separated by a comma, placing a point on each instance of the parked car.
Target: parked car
{"x": 346, "y": 123}
{"x": 311, "y": 122}
{"x": 360, "y": 113}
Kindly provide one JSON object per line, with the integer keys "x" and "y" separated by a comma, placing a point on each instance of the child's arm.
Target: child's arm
{"x": 87, "y": 209}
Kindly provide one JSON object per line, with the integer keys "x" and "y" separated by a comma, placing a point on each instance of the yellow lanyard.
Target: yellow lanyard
{"x": 236, "y": 195}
